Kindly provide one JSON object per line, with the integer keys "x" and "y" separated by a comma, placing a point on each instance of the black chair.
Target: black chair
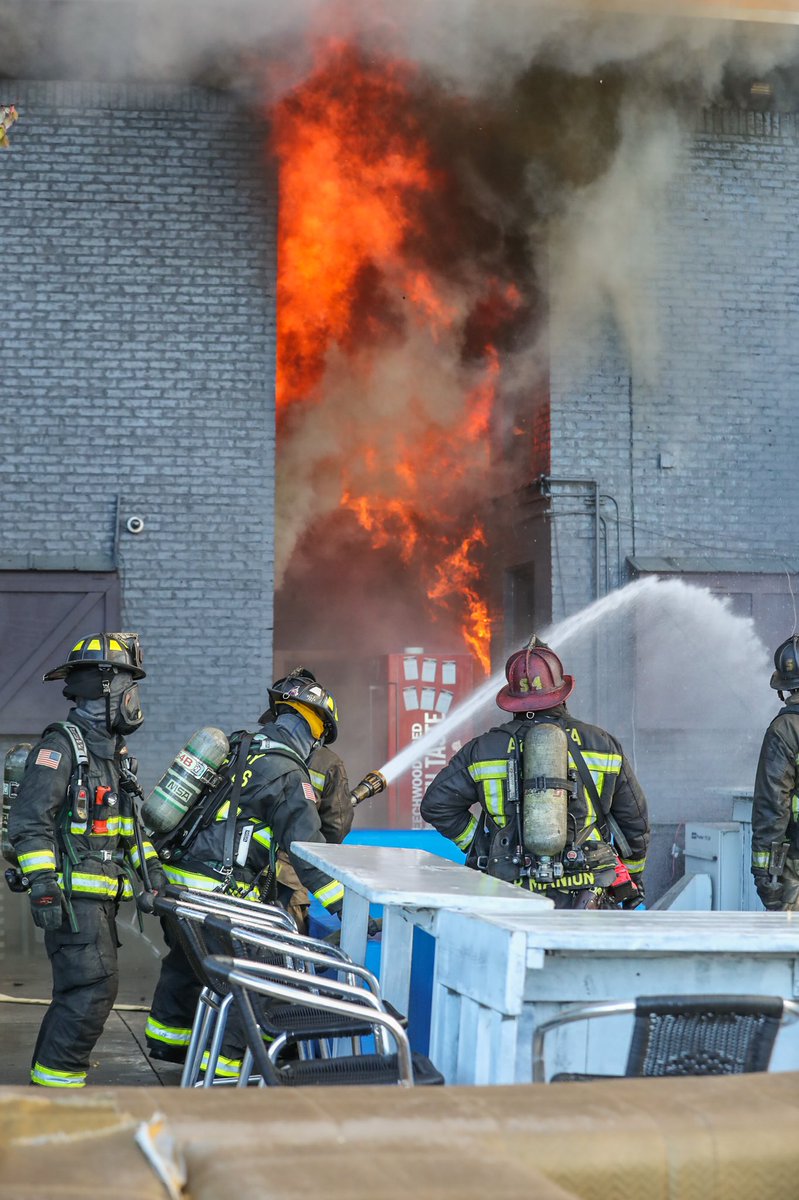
{"x": 245, "y": 980}
{"x": 683, "y": 1035}
{"x": 184, "y": 919}
{"x": 296, "y": 1024}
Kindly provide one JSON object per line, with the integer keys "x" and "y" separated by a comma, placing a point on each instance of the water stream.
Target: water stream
{"x": 700, "y": 668}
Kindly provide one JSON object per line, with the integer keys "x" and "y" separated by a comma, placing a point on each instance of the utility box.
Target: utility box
{"x": 716, "y": 849}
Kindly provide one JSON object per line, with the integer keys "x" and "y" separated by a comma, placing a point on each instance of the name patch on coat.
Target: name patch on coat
{"x": 48, "y": 758}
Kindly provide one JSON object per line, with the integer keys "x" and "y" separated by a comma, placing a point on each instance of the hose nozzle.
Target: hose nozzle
{"x": 372, "y": 783}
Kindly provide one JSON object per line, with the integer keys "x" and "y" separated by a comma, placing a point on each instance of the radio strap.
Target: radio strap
{"x": 233, "y": 810}
{"x": 590, "y": 786}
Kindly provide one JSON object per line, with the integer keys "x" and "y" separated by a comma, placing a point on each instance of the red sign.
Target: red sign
{"x": 422, "y": 690}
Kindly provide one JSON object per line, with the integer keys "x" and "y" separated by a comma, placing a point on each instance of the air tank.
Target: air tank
{"x": 13, "y": 770}
{"x": 545, "y": 757}
{"x": 191, "y": 774}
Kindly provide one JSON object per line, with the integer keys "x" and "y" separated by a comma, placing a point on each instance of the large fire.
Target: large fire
{"x": 358, "y": 181}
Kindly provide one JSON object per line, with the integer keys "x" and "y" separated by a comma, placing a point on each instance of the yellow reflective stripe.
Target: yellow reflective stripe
{"x": 226, "y": 1068}
{"x": 795, "y": 807}
{"x": 330, "y": 893}
{"x": 634, "y": 865}
{"x": 608, "y": 764}
{"x": 171, "y": 1035}
{"x": 94, "y": 644}
{"x": 50, "y": 1077}
{"x": 491, "y": 774}
{"x": 263, "y": 836}
{"x": 317, "y": 779}
{"x": 760, "y": 859}
{"x": 203, "y": 883}
{"x": 111, "y": 829}
{"x": 96, "y": 885}
{"x": 489, "y": 769}
{"x": 590, "y": 811}
{"x": 126, "y": 827}
{"x": 78, "y": 827}
{"x": 37, "y": 860}
{"x": 465, "y": 839}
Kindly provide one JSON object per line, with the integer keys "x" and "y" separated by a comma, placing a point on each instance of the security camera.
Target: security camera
{"x": 135, "y": 524}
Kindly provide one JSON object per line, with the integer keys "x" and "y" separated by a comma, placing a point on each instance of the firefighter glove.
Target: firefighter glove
{"x": 638, "y": 895}
{"x": 145, "y": 901}
{"x": 769, "y": 891}
{"x": 47, "y": 903}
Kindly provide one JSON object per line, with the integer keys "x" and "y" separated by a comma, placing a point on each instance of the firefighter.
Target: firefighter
{"x": 276, "y": 805}
{"x": 330, "y": 783}
{"x": 775, "y": 808}
{"x": 595, "y": 785}
{"x": 74, "y": 829}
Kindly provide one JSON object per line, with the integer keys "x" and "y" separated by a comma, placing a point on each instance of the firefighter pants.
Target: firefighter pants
{"x": 169, "y": 1024}
{"x": 168, "y": 1028}
{"x": 85, "y": 981}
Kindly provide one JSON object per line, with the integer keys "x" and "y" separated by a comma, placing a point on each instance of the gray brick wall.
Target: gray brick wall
{"x": 138, "y": 375}
{"x": 718, "y": 404}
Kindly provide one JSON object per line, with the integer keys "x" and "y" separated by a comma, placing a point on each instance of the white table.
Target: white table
{"x": 497, "y": 977}
{"x": 414, "y": 887}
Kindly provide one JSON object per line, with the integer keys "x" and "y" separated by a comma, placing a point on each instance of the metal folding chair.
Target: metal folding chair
{"x": 245, "y": 978}
{"x": 287, "y": 1022}
{"x": 683, "y": 1035}
{"x": 185, "y": 919}
{"x": 224, "y": 904}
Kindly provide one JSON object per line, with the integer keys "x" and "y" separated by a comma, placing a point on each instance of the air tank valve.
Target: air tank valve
{"x": 372, "y": 783}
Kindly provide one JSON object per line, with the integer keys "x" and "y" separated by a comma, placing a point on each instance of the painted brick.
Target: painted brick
{"x": 138, "y": 370}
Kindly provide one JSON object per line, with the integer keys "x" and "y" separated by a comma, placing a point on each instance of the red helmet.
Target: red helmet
{"x": 535, "y": 681}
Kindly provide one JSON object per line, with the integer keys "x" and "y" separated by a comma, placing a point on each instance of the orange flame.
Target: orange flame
{"x": 352, "y": 160}
{"x": 355, "y": 175}
{"x": 459, "y": 576}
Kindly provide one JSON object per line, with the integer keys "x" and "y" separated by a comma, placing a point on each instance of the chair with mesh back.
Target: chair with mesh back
{"x": 683, "y": 1035}
{"x": 223, "y": 904}
{"x": 184, "y": 918}
{"x": 248, "y": 982}
{"x": 301, "y": 1025}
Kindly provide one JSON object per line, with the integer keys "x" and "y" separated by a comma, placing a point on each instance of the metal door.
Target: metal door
{"x": 42, "y": 615}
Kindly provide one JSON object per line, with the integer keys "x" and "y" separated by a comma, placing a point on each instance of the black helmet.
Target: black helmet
{"x": 786, "y": 662}
{"x": 118, "y": 650}
{"x": 298, "y": 689}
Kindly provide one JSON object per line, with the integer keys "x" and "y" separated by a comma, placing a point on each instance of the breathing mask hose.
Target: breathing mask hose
{"x": 372, "y": 783}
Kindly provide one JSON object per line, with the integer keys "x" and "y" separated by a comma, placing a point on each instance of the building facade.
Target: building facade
{"x": 137, "y": 384}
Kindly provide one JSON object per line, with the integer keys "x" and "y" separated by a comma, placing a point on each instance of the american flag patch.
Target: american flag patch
{"x": 48, "y": 758}
{"x": 308, "y": 792}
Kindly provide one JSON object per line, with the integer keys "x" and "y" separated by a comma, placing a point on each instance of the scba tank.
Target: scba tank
{"x": 182, "y": 784}
{"x": 13, "y": 770}
{"x": 545, "y": 757}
